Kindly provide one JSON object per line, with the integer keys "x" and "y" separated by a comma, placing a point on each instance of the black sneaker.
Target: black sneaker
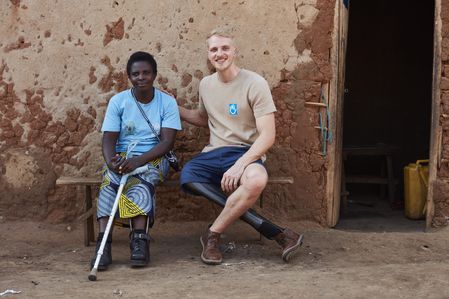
{"x": 140, "y": 249}
{"x": 106, "y": 257}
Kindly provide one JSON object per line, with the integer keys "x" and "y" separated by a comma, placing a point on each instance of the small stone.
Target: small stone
{"x": 68, "y": 228}
{"x": 230, "y": 247}
{"x": 425, "y": 248}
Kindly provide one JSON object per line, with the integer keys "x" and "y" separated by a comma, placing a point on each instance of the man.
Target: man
{"x": 237, "y": 106}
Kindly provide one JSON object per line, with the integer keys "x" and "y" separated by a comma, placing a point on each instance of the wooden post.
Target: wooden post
{"x": 436, "y": 133}
{"x": 335, "y": 102}
{"x": 87, "y": 224}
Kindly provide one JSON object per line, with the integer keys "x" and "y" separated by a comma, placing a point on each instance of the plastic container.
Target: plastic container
{"x": 416, "y": 178}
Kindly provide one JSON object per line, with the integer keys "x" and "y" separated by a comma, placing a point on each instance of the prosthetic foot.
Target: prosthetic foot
{"x": 290, "y": 243}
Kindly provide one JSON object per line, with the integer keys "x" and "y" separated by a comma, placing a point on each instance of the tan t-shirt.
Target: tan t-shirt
{"x": 233, "y": 107}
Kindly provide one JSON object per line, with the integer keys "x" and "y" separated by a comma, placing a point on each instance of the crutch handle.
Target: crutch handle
{"x": 140, "y": 169}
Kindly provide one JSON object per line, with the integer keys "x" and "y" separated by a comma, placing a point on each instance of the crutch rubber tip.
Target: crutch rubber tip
{"x": 93, "y": 275}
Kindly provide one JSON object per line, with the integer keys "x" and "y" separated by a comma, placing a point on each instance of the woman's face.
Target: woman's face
{"x": 142, "y": 75}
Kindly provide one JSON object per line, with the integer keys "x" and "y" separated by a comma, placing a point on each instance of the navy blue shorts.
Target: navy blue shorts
{"x": 209, "y": 167}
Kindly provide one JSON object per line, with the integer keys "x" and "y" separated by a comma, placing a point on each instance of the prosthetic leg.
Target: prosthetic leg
{"x": 139, "y": 245}
{"x": 214, "y": 194}
{"x": 139, "y": 242}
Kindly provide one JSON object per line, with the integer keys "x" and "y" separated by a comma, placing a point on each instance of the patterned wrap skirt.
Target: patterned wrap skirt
{"x": 138, "y": 196}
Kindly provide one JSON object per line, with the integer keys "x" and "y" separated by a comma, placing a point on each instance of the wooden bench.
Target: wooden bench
{"x": 89, "y": 210}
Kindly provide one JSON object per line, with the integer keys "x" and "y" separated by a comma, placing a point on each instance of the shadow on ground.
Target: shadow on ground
{"x": 370, "y": 213}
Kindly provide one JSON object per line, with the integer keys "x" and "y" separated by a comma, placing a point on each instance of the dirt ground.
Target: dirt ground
{"x": 49, "y": 261}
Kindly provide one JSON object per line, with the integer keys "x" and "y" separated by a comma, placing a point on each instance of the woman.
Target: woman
{"x": 128, "y": 143}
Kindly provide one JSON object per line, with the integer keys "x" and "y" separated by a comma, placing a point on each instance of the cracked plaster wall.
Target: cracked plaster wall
{"x": 61, "y": 62}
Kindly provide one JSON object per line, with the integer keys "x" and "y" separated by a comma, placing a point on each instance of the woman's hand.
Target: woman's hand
{"x": 128, "y": 165}
{"x": 115, "y": 162}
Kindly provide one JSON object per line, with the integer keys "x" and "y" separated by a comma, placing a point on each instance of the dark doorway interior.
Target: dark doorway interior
{"x": 387, "y": 97}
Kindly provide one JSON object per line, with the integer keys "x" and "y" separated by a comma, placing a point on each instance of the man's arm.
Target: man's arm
{"x": 197, "y": 117}
{"x": 267, "y": 133}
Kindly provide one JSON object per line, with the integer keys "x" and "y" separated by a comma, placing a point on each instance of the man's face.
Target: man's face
{"x": 221, "y": 52}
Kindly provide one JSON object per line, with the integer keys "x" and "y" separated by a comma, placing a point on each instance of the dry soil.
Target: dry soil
{"x": 49, "y": 261}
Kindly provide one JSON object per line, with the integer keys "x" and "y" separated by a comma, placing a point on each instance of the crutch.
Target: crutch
{"x": 93, "y": 272}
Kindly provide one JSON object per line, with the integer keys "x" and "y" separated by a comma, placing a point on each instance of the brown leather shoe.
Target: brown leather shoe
{"x": 211, "y": 254}
{"x": 290, "y": 243}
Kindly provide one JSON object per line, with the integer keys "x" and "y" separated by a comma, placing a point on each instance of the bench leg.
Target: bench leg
{"x": 383, "y": 174}
{"x": 89, "y": 223}
{"x": 390, "y": 179}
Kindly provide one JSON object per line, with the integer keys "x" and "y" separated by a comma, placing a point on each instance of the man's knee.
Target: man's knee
{"x": 255, "y": 178}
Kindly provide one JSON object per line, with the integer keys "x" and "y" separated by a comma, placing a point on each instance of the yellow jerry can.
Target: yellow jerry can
{"x": 416, "y": 179}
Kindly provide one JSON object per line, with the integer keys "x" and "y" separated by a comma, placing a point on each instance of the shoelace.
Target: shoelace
{"x": 138, "y": 244}
{"x": 213, "y": 241}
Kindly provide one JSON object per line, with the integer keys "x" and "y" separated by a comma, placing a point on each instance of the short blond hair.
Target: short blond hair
{"x": 221, "y": 31}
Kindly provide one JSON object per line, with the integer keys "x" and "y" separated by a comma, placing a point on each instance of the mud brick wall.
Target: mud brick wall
{"x": 62, "y": 61}
{"x": 441, "y": 187}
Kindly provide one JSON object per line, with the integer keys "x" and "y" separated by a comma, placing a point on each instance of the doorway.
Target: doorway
{"x": 387, "y": 104}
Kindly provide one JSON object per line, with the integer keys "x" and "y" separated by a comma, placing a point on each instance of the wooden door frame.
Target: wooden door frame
{"x": 436, "y": 133}
{"x": 336, "y": 93}
{"x": 336, "y": 103}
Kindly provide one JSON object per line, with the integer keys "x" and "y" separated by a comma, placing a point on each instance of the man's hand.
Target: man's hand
{"x": 167, "y": 92}
{"x": 231, "y": 178}
{"x": 196, "y": 117}
{"x": 267, "y": 132}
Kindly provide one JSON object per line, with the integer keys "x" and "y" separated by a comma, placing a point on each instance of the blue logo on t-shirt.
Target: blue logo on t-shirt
{"x": 233, "y": 109}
